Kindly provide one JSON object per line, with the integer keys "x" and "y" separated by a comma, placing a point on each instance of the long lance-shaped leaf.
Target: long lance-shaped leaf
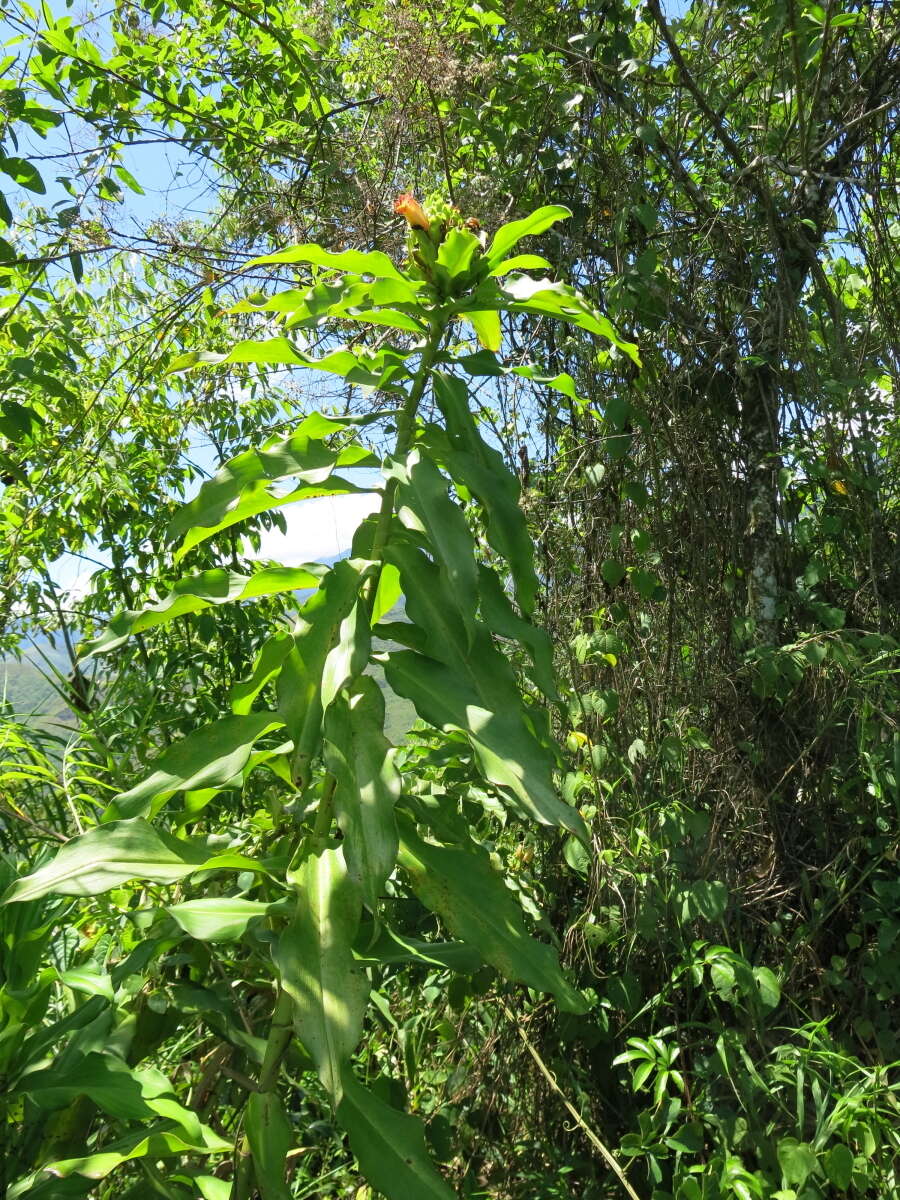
{"x": 423, "y": 504}
{"x": 502, "y": 619}
{"x": 512, "y": 233}
{"x": 153, "y": 1146}
{"x": 314, "y": 956}
{"x": 474, "y": 903}
{"x": 300, "y": 679}
{"x": 201, "y": 591}
{"x": 270, "y": 1136}
{"x": 244, "y": 485}
{"x": 443, "y": 631}
{"x": 124, "y": 1092}
{"x": 208, "y": 757}
{"x": 359, "y": 262}
{"x": 367, "y": 785}
{"x": 111, "y": 854}
{"x": 507, "y": 752}
{"x": 381, "y": 369}
{"x": 389, "y": 1146}
{"x": 268, "y": 663}
{"x": 348, "y": 657}
{"x": 221, "y": 918}
{"x": 481, "y": 469}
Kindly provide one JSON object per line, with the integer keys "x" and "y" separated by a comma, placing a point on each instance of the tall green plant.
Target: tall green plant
{"x": 351, "y": 812}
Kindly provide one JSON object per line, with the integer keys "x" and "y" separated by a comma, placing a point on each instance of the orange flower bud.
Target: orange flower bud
{"x": 406, "y": 205}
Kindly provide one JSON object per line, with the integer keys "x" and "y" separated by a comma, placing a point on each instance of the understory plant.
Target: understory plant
{"x": 294, "y": 910}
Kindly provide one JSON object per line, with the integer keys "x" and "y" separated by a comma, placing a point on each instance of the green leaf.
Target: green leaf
{"x": 508, "y": 235}
{"x": 315, "y": 959}
{"x": 425, "y": 506}
{"x": 266, "y": 667}
{"x": 389, "y": 1146}
{"x": 349, "y": 655}
{"x": 480, "y": 468}
{"x": 768, "y": 986}
{"x": 486, "y": 323}
{"x": 202, "y": 591}
{"x": 208, "y": 757}
{"x": 244, "y": 486}
{"x": 112, "y": 854}
{"x": 372, "y": 262}
{"x": 709, "y": 899}
{"x": 457, "y": 252}
{"x": 797, "y": 1161}
{"x": 367, "y": 786}
{"x": 839, "y": 1166}
{"x": 393, "y": 947}
{"x": 270, "y": 1136}
{"x": 319, "y": 626}
{"x": 508, "y": 754}
{"x": 122, "y": 1091}
{"x": 503, "y": 620}
{"x": 474, "y": 903}
{"x": 521, "y": 262}
{"x": 24, "y": 173}
{"x": 545, "y": 298}
{"x": 220, "y": 918}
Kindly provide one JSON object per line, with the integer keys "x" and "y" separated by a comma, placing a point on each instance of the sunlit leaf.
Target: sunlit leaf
{"x": 508, "y": 235}
{"x": 112, "y": 854}
{"x": 315, "y": 960}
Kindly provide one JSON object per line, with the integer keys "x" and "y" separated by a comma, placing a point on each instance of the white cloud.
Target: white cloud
{"x": 318, "y": 529}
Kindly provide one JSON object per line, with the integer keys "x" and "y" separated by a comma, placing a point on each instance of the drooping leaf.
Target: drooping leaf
{"x": 268, "y": 663}
{"x": 502, "y": 619}
{"x": 367, "y": 786}
{"x": 315, "y": 960}
{"x": 510, "y": 234}
{"x": 389, "y": 1146}
{"x": 481, "y": 469}
{"x": 317, "y": 631}
{"x": 270, "y": 1136}
{"x": 371, "y": 262}
{"x": 462, "y": 887}
{"x": 486, "y": 323}
{"x": 546, "y": 298}
{"x": 244, "y": 486}
{"x": 201, "y": 591}
{"x": 112, "y": 854}
{"x": 208, "y": 757}
{"x": 24, "y": 173}
{"x": 509, "y": 755}
{"x": 423, "y": 504}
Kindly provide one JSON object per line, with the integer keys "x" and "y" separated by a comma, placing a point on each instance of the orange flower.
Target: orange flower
{"x": 406, "y": 205}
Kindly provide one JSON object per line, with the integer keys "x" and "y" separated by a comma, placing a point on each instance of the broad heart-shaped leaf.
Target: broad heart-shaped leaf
{"x": 243, "y": 487}
{"x": 318, "y": 628}
{"x": 424, "y": 505}
{"x": 486, "y": 323}
{"x": 315, "y": 960}
{"x": 270, "y": 1136}
{"x": 220, "y": 918}
{"x": 389, "y": 1146}
{"x": 208, "y": 757}
{"x": 201, "y": 591}
{"x": 508, "y": 235}
{"x": 480, "y": 468}
{"x": 475, "y": 904}
{"x": 371, "y": 262}
{"x": 507, "y": 752}
{"x": 367, "y": 785}
{"x": 112, "y": 854}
